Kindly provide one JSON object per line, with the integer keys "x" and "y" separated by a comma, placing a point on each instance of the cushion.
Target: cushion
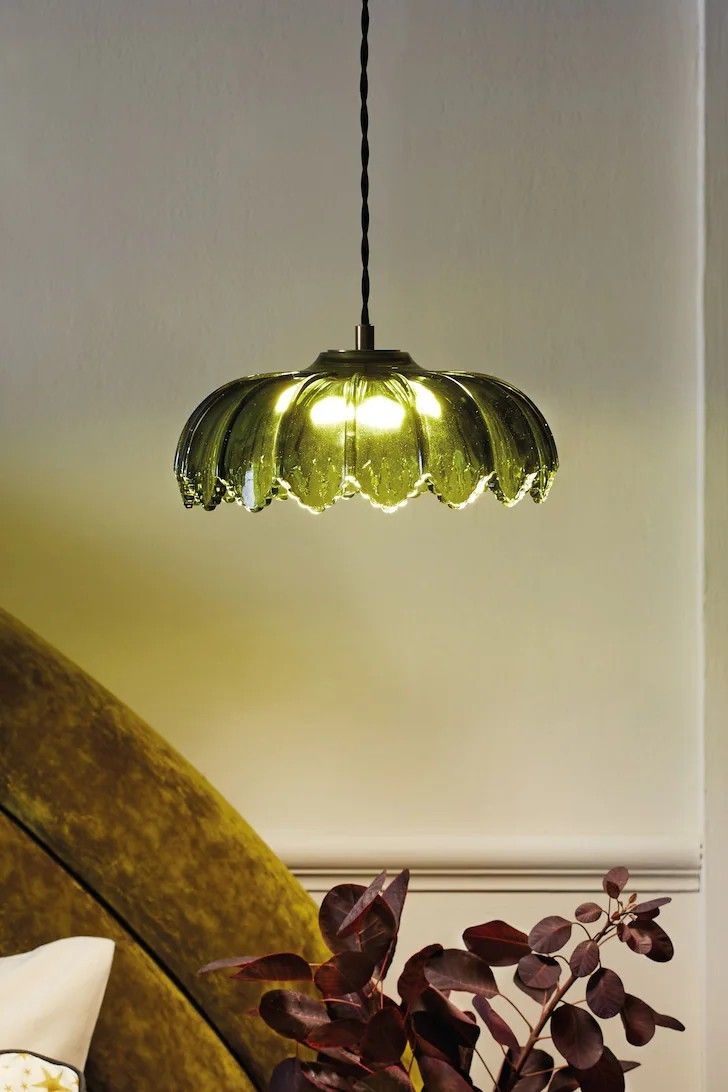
{"x": 52, "y": 996}
{"x": 20, "y": 1071}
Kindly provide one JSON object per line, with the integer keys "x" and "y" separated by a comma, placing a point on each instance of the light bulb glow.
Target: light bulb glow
{"x": 385, "y": 431}
{"x": 332, "y": 410}
{"x": 380, "y": 413}
{"x": 376, "y": 412}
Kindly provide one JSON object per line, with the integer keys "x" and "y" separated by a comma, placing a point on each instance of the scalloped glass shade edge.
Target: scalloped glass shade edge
{"x": 386, "y": 434}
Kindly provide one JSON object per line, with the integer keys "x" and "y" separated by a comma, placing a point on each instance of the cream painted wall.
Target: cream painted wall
{"x": 180, "y": 193}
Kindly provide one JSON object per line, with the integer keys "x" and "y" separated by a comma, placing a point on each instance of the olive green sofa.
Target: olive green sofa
{"x": 106, "y": 830}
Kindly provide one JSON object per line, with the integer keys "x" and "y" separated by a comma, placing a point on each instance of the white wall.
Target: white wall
{"x": 496, "y": 689}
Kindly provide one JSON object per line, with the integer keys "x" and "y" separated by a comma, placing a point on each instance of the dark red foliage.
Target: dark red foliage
{"x": 615, "y": 881}
{"x": 650, "y": 906}
{"x": 577, "y": 1036}
{"x": 550, "y": 934}
{"x": 588, "y": 912}
{"x": 537, "y": 994}
{"x": 412, "y": 981}
{"x": 361, "y": 1035}
{"x": 344, "y": 973}
{"x": 606, "y": 1076}
{"x": 454, "y": 969}
{"x": 605, "y": 993}
{"x": 496, "y": 1025}
{"x": 281, "y": 967}
{"x": 539, "y": 972}
{"x": 535, "y": 1072}
{"x": 584, "y": 959}
{"x": 648, "y": 938}
{"x": 499, "y": 944}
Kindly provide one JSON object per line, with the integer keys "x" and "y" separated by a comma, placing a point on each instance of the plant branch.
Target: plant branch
{"x": 544, "y": 1018}
{"x": 513, "y": 1005}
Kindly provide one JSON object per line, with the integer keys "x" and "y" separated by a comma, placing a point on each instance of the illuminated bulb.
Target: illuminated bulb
{"x": 380, "y": 412}
{"x": 332, "y": 410}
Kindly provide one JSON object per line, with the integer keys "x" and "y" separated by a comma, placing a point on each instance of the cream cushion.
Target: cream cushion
{"x": 52, "y": 996}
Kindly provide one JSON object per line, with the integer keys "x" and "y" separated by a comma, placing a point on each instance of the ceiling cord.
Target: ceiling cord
{"x": 364, "y": 116}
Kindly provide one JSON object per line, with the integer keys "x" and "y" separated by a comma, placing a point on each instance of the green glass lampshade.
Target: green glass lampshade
{"x": 367, "y": 422}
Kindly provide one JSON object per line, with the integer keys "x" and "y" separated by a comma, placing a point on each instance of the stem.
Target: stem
{"x": 543, "y": 1019}
{"x": 513, "y": 1005}
{"x": 484, "y": 1064}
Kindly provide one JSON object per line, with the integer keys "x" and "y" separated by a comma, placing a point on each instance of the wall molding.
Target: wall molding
{"x": 496, "y": 864}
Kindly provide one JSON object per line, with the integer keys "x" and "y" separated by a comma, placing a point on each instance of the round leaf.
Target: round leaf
{"x": 412, "y": 981}
{"x": 550, "y": 934}
{"x": 650, "y": 939}
{"x": 496, "y": 1025}
{"x": 538, "y": 995}
{"x": 439, "y": 1076}
{"x": 638, "y": 1019}
{"x": 293, "y": 1015}
{"x": 287, "y": 1077}
{"x": 385, "y": 1038}
{"x": 498, "y": 943}
{"x": 391, "y": 1078}
{"x": 615, "y": 881}
{"x": 339, "y": 1033}
{"x": 565, "y": 1080}
{"x": 650, "y": 906}
{"x": 606, "y": 1076}
{"x": 375, "y": 928}
{"x": 454, "y": 969}
{"x": 344, "y": 973}
{"x": 327, "y": 1077}
{"x": 335, "y": 908}
{"x": 605, "y": 993}
{"x": 588, "y": 912}
{"x": 584, "y": 959}
{"x": 577, "y": 1036}
{"x": 536, "y": 1072}
{"x": 539, "y": 972}
{"x": 462, "y": 1026}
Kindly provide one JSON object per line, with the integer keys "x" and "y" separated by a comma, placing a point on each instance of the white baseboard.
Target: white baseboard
{"x": 657, "y": 863}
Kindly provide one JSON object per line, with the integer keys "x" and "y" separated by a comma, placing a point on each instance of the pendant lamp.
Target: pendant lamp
{"x": 364, "y": 421}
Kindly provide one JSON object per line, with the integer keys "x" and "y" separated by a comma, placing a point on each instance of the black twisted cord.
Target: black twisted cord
{"x": 364, "y": 116}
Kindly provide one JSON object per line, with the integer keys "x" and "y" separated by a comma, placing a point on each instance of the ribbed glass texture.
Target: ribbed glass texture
{"x": 371, "y": 423}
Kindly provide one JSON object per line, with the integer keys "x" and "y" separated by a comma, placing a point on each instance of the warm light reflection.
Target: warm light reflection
{"x": 376, "y": 412}
{"x": 287, "y": 397}
{"x": 332, "y": 410}
{"x": 425, "y": 401}
{"x": 380, "y": 412}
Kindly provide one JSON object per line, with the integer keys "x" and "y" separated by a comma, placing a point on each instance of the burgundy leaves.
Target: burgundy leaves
{"x": 605, "y": 994}
{"x": 499, "y": 944}
{"x": 360, "y": 1035}
{"x": 577, "y": 1036}
{"x": 496, "y": 1025}
{"x": 640, "y": 1021}
{"x": 550, "y": 935}
{"x": 454, "y": 969}
{"x": 283, "y": 967}
{"x": 615, "y": 881}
